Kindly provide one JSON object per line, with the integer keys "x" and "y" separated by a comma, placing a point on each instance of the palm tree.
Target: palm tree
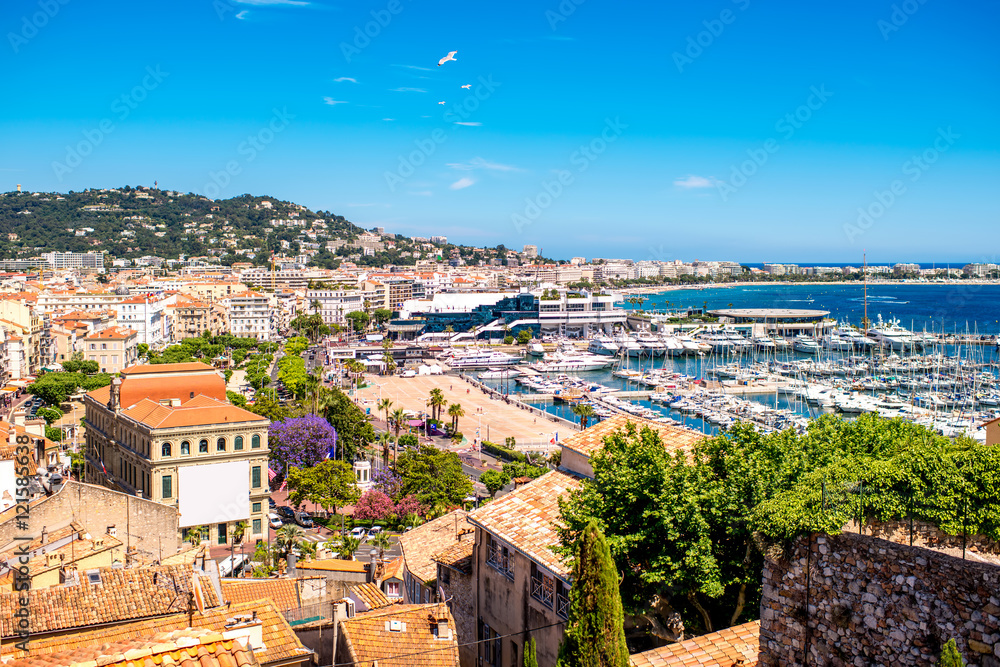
{"x": 584, "y": 411}
{"x": 455, "y": 411}
{"x": 383, "y": 406}
{"x": 382, "y": 542}
{"x": 398, "y": 417}
{"x": 313, "y": 387}
{"x": 437, "y": 402}
{"x": 390, "y": 363}
{"x": 287, "y": 538}
{"x": 239, "y": 530}
{"x": 197, "y": 534}
{"x": 384, "y": 440}
{"x": 348, "y": 545}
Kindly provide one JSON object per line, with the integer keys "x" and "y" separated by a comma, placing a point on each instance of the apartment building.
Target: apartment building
{"x": 166, "y": 432}
{"x": 251, "y": 315}
{"x": 332, "y": 305}
{"x": 19, "y": 317}
{"x": 113, "y": 348}
{"x": 145, "y": 314}
{"x": 90, "y": 261}
{"x": 193, "y": 317}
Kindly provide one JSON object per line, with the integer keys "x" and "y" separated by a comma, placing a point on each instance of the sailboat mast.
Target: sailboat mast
{"x": 864, "y": 273}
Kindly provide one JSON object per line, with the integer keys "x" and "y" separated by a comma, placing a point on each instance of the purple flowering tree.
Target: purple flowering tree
{"x": 388, "y": 482}
{"x": 373, "y": 506}
{"x": 301, "y": 442}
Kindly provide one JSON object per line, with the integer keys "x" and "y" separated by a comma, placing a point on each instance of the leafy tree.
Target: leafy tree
{"x": 270, "y": 407}
{"x": 89, "y": 367}
{"x": 354, "y": 431}
{"x": 382, "y": 542}
{"x": 348, "y": 545}
{"x": 950, "y": 657}
{"x": 494, "y": 480}
{"x": 142, "y": 349}
{"x": 387, "y": 481}
{"x": 54, "y": 434}
{"x": 433, "y": 476}
{"x": 56, "y": 388}
{"x": 509, "y": 340}
{"x": 71, "y": 365}
{"x": 330, "y": 484}
{"x": 239, "y": 400}
{"x": 409, "y": 506}
{"x": 523, "y": 337}
{"x": 408, "y": 440}
{"x": 381, "y": 316}
{"x": 530, "y": 655}
{"x": 358, "y": 319}
{"x": 300, "y": 442}
{"x": 585, "y": 412}
{"x": 373, "y": 506}
{"x": 50, "y": 414}
{"x": 287, "y": 538}
{"x": 455, "y": 411}
{"x": 595, "y": 635}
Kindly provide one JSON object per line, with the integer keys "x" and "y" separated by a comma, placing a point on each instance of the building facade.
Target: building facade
{"x": 113, "y": 348}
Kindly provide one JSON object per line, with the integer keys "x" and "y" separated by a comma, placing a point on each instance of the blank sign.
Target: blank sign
{"x": 213, "y": 493}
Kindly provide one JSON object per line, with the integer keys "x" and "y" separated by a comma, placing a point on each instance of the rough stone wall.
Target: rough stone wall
{"x": 461, "y": 596}
{"x": 868, "y": 601}
{"x": 144, "y": 525}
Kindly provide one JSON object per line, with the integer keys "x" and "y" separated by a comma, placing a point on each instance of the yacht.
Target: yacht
{"x": 602, "y": 344}
{"x": 582, "y": 361}
{"x": 764, "y": 344}
{"x": 481, "y": 359}
{"x": 651, "y": 345}
{"x": 851, "y": 335}
{"x": 806, "y": 344}
{"x": 719, "y": 342}
{"x": 499, "y": 374}
{"x": 836, "y": 343}
{"x": 692, "y": 346}
{"x": 535, "y": 349}
{"x": 891, "y": 335}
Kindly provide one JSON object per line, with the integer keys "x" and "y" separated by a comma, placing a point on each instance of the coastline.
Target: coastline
{"x": 662, "y": 289}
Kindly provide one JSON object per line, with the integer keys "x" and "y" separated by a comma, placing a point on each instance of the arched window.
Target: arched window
{"x": 165, "y": 449}
{"x": 185, "y": 447}
{"x": 238, "y": 443}
{"x": 220, "y": 445}
{"x": 255, "y": 442}
{"x": 203, "y": 447}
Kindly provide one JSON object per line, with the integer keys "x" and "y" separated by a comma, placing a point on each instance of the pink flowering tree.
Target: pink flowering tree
{"x": 409, "y": 506}
{"x": 373, "y": 506}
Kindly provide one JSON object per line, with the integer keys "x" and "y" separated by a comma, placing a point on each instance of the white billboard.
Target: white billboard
{"x": 213, "y": 493}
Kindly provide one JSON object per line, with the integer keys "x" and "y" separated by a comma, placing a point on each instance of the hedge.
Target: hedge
{"x": 503, "y": 452}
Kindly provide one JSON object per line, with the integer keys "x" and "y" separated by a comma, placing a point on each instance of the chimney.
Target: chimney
{"x": 249, "y": 630}
{"x": 45, "y": 535}
{"x": 52, "y": 559}
{"x": 290, "y": 561}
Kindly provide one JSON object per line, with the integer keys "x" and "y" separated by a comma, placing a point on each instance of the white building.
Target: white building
{"x": 146, "y": 315}
{"x": 332, "y": 305}
{"x": 251, "y": 316}
{"x": 93, "y": 261}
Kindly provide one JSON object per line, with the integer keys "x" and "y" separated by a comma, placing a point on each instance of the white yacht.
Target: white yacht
{"x": 692, "y": 346}
{"x": 764, "y": 344}
{"x": 562, "y": 362}
{"x": 602, "y": 344}
{"x": 535, "y": 349}
{"x": 499, "y": 374}
{"x": 891, "y": 335}
{"x": 806, "y": 344}
{"x": 849, "y": 334}
{"x": 651, "y": 345}
{"x": 481, "y": 359}
{"x": 628, "y": 345}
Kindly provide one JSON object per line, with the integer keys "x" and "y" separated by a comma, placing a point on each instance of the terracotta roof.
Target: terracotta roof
{"x": 525, "y": 518}
{"x": 420, "y": 544}
{"x": 370, "y": 640}
{"x": 458, "y": 556}
{"x": 282, "y": 592}
{"x": 393, "y": 569}
{"x": 738, "y": 645}
{"x": 199, "y": 411}
{"x": 121, "y": 595}
{"x": 332, "y": 565}
{"x": 280, "y": 641}
{"x": 190, "y": 647}
{"x": 143, "y": 369}
{"x": 592, "y": 439}
{"x": 113, "y": 333}
{"x": 159, "y": 382}
{"x": 371, "y": 595}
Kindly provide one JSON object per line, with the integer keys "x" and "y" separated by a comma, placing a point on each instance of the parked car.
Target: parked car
{"x": 375, "y": 530}
{"x": 304, "y": 520}
{"x": 359, "y": 533}
{"x": 271, "y": 504}
{"x": 285, "y": 512}
{"x": 275, "y": 521}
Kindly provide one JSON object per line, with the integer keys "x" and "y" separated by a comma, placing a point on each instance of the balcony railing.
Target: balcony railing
{"x": 543, "y": 589}
{"x": 500, "y": 561}
{"x": 562, "y": 605}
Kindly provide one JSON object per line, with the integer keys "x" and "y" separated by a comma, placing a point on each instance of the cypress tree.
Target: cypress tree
{"x": 530, "y": 660}
{"x": 950, "y": 657}
{"x": 595, "y": 634}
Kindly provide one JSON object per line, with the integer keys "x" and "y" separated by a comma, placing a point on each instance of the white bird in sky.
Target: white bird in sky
{"x": 450, "y": 56}
{"x": 440, "y": 102}
{"x": 468, "y": 85}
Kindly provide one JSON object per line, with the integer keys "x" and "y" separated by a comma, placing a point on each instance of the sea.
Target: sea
{"x": 934, "y": 308}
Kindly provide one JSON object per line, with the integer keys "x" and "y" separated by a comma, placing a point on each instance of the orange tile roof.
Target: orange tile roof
{"x": 190, "y": 647}
{"x": 332, "y": 565}
{"x": 525, "y": 518}
{"x": 371, "y": 595}
{"x": 738, "y": 645}
{"x": 123, "y": 594}
{"x": 143, "y": 369}
{"x": 113, "y": 333}
{"x": 589, "y": 441}
{"x": 420, "y": 544}
{"x": 458, "y": 556}
{"x": 393, "y": 569}
{"x": 280, "y": 641}
{"x": 282, "y": 592}
{"x": 369, "y": 640}
{"x": 200, "y": 411}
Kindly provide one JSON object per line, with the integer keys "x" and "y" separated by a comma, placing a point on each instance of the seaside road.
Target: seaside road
{"x": 499, "y": 420}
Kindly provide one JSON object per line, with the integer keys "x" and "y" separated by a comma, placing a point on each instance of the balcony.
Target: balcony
{"x": 562, "y": 605}
{"x": 543, "y": 589}
{"x": 500, "y": 560}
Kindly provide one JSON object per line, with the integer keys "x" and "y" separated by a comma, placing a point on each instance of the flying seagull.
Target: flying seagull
{"x": 468, "y": 85}
{"x": 440, "y": 102}
{"x": 450, "y": 56}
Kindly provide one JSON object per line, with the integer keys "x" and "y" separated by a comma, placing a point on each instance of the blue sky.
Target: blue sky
{"x": 745, "y": 130}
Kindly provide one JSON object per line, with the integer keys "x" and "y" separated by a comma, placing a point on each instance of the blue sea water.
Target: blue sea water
{"x": 932, "y": 307}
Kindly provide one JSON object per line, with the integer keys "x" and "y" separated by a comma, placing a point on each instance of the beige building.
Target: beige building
{"x": 166, "y": 432}
{"x": 19, "y": 319}
{"x": 193, "y": 317}
{"x": 113, "y": 348}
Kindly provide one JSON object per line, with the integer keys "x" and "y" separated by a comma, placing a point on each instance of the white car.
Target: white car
{"x": 358, "y": 533}
{"x": 409, "y": 373}
{"x": 274, "y": 521}
{"x": 375, "y": 530}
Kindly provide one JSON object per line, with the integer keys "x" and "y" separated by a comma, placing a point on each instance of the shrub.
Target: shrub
{"x": 503, "y": 452}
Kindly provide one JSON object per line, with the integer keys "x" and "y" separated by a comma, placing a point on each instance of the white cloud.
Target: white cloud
{"x": 462, "y": 183}
{"x": 480, "y": 163}
{"x": 407, "y": 90}
{"x": 468, "y": 123}
{"x": 348, "y": 79}
{"x": 332, "y": 102}
{"x": 242, "y": 15}
{"x": 691, "y": 182}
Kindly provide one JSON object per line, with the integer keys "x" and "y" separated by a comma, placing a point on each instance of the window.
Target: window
{"x": 256, "y": 526}
{"x": 562, "y": 599}
{"x": 165, "y": 449}
{"x": 168, "y": 486}
{"x": 185, "y": 448}
{"x": 223, "y": 536}
{"x": 499, "y": 557}
{"x": 256, "y": 508}
{"x": 255, "y": 442}
{"x": 543, "y": 586}
{"x": 104, "y": 346}
{"x": 220, "y": 445}
{"x": 203, "y": 447}
{"x": 392, "y": 589}
{"x": 238, "y": 443}
{"x": 255, "y": 477}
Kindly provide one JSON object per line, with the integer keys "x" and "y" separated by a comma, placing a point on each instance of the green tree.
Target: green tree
{"x": 434, "y": 476}
{"x": 54, "y": 434}
{"x": 595, "y": 635}
{"x": 354, "y": 431}
{"x": 436, "y": 402}
{"x": 381, "y": 316}
{"x": 50, "y": 414}
{"x": 950, "y": 657}
{"x": 268, "y": 406}
{"x": 387, "y": 359}
{"x": 585, "y": 412}
{"x": 330, "y": 484}
{"x": 382, "y": 542}
{"x": 494, "y": 480}
{"x": 383, "y": 405}
{"x": 523, "y": 337}
{"x": 347, "y": 546}
{"x": 455, "y": 411}
{"x": 287, "y": 538}
{"x": 530, "y": 656}
{"x": 359, "y": 320}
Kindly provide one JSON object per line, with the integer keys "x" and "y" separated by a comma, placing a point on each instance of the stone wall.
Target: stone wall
{"x": 148, "y": 527}
{"x": 460, "y": 591}
{"x": 869, "y": 601}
